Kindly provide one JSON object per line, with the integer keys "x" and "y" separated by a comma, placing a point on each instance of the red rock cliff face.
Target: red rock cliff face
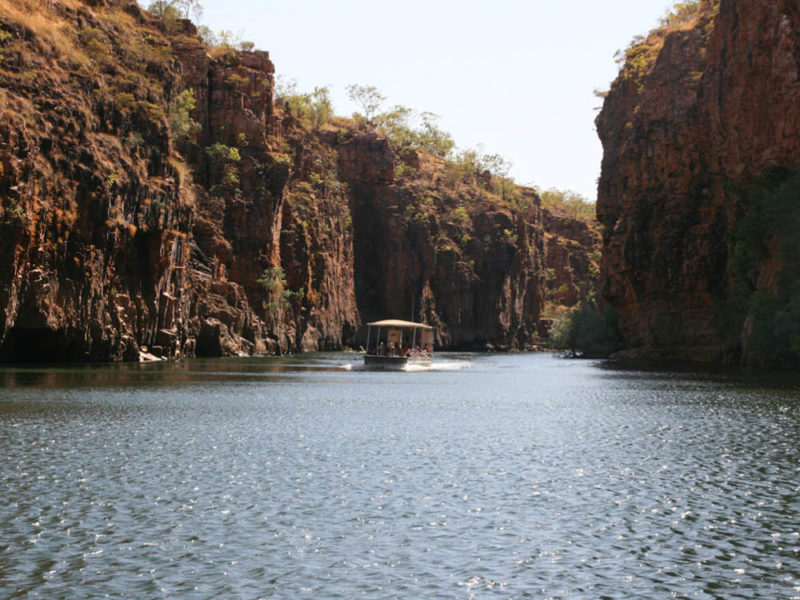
{"x": 119, "y": 234}
{"x": 715, "y": 105}
{"x": 154, "y": 200}
{"x": 460, "y": 259}
{"x": 260, "y": 223}
{"x": 572, "y": 247}
{"x": 94, "y": 223}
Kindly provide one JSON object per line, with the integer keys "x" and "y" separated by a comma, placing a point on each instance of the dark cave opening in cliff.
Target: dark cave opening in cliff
{"x": 40, "y": 345}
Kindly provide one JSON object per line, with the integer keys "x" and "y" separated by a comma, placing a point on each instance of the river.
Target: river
{"x": 488, "y": 476}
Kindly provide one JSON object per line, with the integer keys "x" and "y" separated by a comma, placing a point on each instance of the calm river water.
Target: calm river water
{"x": 490, "y": 476}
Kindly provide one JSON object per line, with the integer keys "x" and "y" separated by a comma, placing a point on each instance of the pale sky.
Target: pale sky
{"x": 515, "y": 76}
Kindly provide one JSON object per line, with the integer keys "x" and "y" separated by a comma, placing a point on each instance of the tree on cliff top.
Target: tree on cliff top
{"x": 572, "y": 203}
{"x": 368, "y": 97}
{"x": 397, "y": 125}
{"x": 403, "y": 126}
{"x": 683, "y": 12}
{"x": 407, "y": 128}
{"x": 313, "y": 110}
{"x": 184, "y": 8}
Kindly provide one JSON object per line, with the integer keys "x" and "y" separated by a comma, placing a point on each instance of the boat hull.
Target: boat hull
{"x": 393, "y": 363}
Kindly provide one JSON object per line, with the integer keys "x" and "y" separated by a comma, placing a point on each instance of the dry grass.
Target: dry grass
{"x": 141, "y": 46}
{"x": 39, "y": 17}
{"x": 17, "y": 109}
{"x": 38, "y": 5}
{"x": 223, "y": 53}
{"x": 182, "y": 171}
{"x": 121, "y": 20}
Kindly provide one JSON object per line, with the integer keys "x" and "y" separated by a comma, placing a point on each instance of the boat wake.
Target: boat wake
{"x": 444, "y": 365}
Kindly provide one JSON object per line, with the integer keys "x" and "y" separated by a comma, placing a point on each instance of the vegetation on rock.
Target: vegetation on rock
{"x": 638, "y": 58}
{"x": 573, "y": 204}
{"x": 766, "y": 243}
{"x": 313, "y": 110}
{"x": 699, "y": 187}
{"x": 587, "y": 332}
{"x": 154, "y": 196}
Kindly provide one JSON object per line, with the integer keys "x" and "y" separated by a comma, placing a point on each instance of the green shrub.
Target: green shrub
{"x": 586, "y": 332}
{"x": 682, "y": 12}
{"x": 419, "y": 211}
{"x": 220, "y": 152}
{"x": 405, "y": 127}
{"x": 176, "y": 9}
{"x": 509, "y": 237}
{"x": 168, "y": 13}
{"x": 506, "y": 188}
{"x": 14, "y": 214}
{"x": 572, "y": 203}
{"x": 273, "y": 280}
{"x": 224, "y": 164}
{"x": 472, "y": 162}
{"x": 461, "y": 217}
{"x": 313, "y": 110}
{"x": 235, "y": 80}
{"x": 429, "y": 137}
{"x": 225, "y": 49}
{"x": 767, "y": 230}
{"x": 181, "y": 124}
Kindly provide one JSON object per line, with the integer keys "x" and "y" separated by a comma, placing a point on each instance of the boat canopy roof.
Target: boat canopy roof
{"x": 399, "y": 323}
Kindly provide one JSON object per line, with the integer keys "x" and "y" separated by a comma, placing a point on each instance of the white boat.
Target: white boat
{"x": 397, "y": 344}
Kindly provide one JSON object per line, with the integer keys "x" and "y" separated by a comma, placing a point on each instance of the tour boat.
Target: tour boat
{"x": 397, "y": 344}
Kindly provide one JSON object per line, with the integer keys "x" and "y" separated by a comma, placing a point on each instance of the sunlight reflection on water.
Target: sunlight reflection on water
{"x": 486, "y": 476}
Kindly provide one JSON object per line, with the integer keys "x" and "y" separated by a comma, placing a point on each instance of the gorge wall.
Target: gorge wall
{"x": 153, "y": 200}
{"x": 698, "y": 191}
{"x": 449, "y": 252}
{"x": 572, "y": 251}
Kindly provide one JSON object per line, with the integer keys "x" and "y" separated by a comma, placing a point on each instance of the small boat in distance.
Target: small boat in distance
{"x": 397, "y": 344}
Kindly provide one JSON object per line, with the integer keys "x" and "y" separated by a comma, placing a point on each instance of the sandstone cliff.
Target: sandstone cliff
{"x": 572, "y": 248}
{"x": 700, "y": 138}
{"x": 443, "y": 247}
{"x": 122, "y": 232}
{"x": 153, "y": 198}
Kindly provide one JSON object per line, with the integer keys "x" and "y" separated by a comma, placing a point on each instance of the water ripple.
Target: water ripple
{"x": 520, "y": 476}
